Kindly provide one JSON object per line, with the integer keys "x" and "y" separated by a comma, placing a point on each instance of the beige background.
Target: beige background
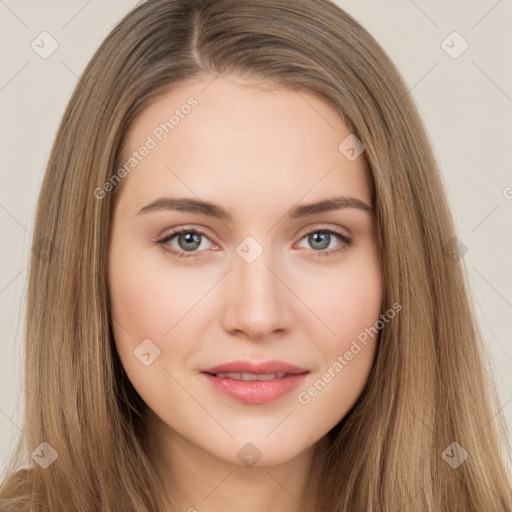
{"x": 466, "y": 104}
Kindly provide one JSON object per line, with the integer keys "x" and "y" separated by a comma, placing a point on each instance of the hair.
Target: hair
{"x": 430, "y": 384}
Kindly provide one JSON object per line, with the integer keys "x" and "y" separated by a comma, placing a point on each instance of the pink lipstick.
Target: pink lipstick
{"x": 255, "y": 383}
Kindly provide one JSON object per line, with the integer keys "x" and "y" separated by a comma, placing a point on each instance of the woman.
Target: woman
{"x": 195, "y": 341}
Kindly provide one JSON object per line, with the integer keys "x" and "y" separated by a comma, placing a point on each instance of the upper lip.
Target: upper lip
{"x": 260, "y": 368}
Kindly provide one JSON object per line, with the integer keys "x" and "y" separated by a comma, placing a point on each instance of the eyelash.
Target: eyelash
{"x": 345, "y": 241}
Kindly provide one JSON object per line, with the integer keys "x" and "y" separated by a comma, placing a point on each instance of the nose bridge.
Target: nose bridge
{"x": 257, "y": 303}
{"x": 256, "y": 279}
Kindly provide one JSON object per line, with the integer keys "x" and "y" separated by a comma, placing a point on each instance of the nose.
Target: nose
{"x": 258, "y": 303}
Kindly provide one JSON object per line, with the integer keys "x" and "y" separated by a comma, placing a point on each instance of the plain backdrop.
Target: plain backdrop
{"x": 464, "y": 97}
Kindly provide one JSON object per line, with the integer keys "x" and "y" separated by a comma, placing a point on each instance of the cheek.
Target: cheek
{"x": 347, "y": 300}
{"x": 148, "y": 299}
{"x": 140, "y": 306}
{"x": 151, "y": 301}
{"x": 144, "y": 305}
{"x": 358, "y": 305}
{"x": 350, "y": 309}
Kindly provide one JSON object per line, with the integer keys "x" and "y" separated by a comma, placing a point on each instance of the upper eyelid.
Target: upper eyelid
{"x": 323, "y": 227}
{"x": 186, "y": 229}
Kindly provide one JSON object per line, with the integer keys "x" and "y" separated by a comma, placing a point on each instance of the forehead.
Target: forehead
{"x": 226, "y": 138}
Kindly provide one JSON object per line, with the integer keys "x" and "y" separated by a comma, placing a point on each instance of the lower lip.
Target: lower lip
{"x": 256, "y": 391}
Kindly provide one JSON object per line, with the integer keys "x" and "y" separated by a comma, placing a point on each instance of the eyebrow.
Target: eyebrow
{"x": 212, "y": 210}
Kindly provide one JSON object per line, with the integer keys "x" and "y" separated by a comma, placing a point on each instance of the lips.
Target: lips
{"x": 263, "y": 368}
{"x": 255, "y": 383}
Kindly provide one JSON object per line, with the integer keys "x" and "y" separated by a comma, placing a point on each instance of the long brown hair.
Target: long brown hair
{"x": 429, "y": 386}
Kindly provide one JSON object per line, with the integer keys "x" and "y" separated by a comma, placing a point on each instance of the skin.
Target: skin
{"x": 257, "y": 151}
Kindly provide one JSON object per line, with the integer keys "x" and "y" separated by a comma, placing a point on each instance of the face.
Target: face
{"x": 253, "y": 278}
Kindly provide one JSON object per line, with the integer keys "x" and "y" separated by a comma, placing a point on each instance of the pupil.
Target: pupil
{"x": 189, "y": 238}
{"x": 313, "y": 239}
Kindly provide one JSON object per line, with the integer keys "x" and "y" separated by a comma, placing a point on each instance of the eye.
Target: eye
{"x": 188, "y": 240}
{"x": 321, "y": 239}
